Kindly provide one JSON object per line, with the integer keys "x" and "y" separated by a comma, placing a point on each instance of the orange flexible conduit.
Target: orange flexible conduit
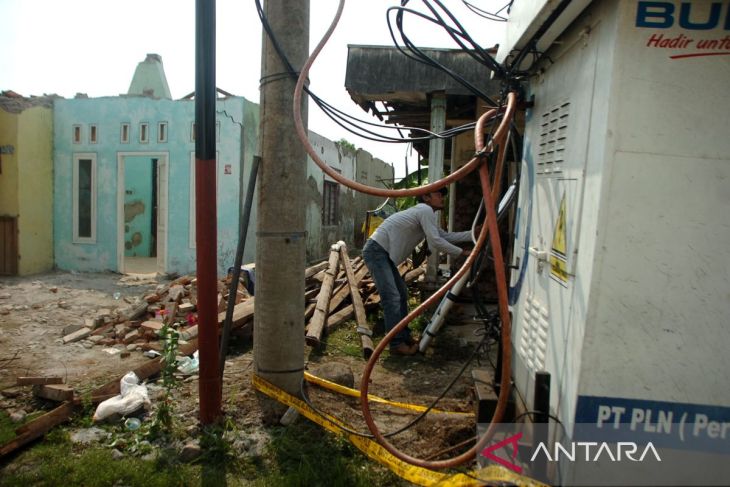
{"x": 479, "y": 161}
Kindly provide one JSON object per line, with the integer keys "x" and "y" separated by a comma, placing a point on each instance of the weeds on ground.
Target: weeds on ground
{"x": 56, "y": 461}
{"x": 7, "y": 428}
{"x": 163, "y": 422}
{"x": 305, "y": 454}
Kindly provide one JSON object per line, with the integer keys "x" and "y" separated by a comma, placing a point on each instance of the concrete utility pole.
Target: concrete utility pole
{"x": 281, "y": 232}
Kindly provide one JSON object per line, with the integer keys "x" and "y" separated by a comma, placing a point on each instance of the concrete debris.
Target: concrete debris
{"x": 89, "y": 435}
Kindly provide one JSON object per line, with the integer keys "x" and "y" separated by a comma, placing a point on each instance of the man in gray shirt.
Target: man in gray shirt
{"x": 391, "y": 243}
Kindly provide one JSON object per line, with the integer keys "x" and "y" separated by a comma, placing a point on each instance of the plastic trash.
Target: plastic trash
{"x": 117, "y": 295}
{"x": 187, "y": 365}
{"x": 132, "y": 424}
{"x": 133, "y": 395}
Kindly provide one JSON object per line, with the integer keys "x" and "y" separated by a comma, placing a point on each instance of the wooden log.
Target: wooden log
{"x": 363, "y": 329}
{"x": 343, "y": 291}
{"x": 309, "y": 311}
{"x": 321, "y": 310}
{"x": 316, "y": 268}
{"x": 38, "y": 427}
{"x": 413, "y": 274}
{"x": 347, "y": 313}
{"x": 312, "y": 293}
{"x": 144, "y": 371}
{"x": 37, "y": 381}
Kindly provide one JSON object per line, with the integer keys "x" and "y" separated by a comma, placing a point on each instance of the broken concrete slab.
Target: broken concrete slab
{"x": 77, "y": 335}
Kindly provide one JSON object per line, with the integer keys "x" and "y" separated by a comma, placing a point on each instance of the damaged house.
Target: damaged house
{"x": 123, "y": 182}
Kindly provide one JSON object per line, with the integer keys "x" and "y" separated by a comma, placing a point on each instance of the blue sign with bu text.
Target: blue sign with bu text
{"x": 690, "y": 15}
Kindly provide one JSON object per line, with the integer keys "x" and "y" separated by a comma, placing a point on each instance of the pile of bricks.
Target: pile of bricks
{"x": 137, "y": 327}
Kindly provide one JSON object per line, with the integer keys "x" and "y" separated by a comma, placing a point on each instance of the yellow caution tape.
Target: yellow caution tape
{"x": 412, "y": 473}
{"x": 356, "y": 393}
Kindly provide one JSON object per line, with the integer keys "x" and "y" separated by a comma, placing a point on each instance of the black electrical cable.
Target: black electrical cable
{"x": 418, "y": 418}
{"x": 418, "y": 55}
{"x": 488, "y": 60}
{"x": 531, "y": 45}
{"x": 476, "y": 51}
{"x": 345, "y": 120}
{"x": 494, "y": 16}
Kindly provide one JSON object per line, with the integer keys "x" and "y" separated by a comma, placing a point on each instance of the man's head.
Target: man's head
{"x": 435, "y": 199}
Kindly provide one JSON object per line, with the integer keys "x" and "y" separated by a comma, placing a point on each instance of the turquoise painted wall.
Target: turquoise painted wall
{"x": 238, "y": 121}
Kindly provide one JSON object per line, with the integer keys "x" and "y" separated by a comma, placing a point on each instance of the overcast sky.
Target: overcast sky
{"x": 93, "y": 47}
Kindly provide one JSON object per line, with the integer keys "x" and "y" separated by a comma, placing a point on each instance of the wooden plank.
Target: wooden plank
{"x": 321, "y": 310}
{"x": 54, "y": 392}
{"x": 242, "y": 313}
{"x": 38, "y": 427}
{"x": 363, "y": 329}
{"x": 37, "y": 381}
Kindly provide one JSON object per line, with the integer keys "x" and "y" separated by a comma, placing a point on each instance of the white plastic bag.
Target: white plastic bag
{"x": 133, "y": 396}
{"x": 187, "y": 365}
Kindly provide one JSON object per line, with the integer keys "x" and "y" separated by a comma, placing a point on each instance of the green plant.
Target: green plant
{"x": 163, "y": 422}
{"x": 344, "y": 143}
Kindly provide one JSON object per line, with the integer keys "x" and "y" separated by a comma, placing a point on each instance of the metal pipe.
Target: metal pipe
{"x": 242, "y": 234}
{"x": 439, "y": 316}
{"x": 210, "y": 385}
{"x": 541, "y": 405}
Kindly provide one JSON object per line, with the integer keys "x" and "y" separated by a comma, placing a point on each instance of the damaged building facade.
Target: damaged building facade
{"x": 124, "y": 181}
{"x": 26, "y": 186}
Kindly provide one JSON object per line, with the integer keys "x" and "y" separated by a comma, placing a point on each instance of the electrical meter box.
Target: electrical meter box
{"x": 620, "y": 286}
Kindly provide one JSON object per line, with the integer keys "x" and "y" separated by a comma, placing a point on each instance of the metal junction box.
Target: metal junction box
{"x": 621, "y": 279}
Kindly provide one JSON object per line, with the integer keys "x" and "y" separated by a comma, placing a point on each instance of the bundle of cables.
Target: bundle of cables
{"x": 501, "y": 119}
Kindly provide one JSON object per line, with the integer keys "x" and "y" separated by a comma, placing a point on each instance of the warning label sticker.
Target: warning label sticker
{"x": 558, "y": 252}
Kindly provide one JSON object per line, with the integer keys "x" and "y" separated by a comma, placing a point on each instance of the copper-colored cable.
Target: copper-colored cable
{"x": 498, "y": 140}
{"x": 493, "y": 231}
{"x": 363, "y": 188}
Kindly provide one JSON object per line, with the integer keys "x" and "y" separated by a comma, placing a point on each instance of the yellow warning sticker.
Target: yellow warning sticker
{"x": 558, "y": 252}
{"x": 412, "y": 473}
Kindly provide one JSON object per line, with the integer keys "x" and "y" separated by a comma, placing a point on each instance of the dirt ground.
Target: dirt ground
{"x": 35, "y": 310}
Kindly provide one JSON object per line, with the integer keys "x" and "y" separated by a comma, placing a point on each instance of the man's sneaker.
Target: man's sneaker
{"x": 404, "y": 349}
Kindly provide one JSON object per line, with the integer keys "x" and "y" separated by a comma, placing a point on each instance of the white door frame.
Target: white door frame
{"x": 163, "y": 159}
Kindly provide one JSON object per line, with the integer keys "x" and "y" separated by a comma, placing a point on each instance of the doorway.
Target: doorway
{"x": 142, "y": 211}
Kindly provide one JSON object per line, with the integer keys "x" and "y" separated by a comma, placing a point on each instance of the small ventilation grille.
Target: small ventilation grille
{"x": 534, "y": 334}
{"x": 553, "y": 135}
